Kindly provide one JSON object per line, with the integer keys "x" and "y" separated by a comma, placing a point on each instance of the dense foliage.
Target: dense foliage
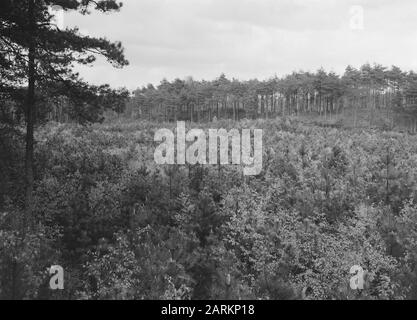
{"x": 123, "y": 227}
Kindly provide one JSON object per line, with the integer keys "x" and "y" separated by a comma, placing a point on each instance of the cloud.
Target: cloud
{"x": 249, "y": 38}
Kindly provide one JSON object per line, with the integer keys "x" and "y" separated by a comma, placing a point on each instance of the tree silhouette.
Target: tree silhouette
{"x": 36, "y": 53}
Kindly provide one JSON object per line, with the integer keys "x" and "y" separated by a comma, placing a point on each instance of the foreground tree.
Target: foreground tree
{"x": 36, "y": 53}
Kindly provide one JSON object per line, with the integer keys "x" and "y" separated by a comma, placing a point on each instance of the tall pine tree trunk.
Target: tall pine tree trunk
{"x": 30, "y": 112}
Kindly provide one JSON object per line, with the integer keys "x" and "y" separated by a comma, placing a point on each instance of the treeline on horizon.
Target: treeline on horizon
{"x": 378, "y": 89}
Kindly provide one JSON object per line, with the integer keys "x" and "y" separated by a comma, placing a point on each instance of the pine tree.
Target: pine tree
{"x": 36, "y": 53}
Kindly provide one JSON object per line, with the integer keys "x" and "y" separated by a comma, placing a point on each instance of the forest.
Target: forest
{"x": 379, "y": 92}
{"x": 79, "y": 186}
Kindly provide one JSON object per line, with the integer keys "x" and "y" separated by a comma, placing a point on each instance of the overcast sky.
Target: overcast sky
{"x": 250, "y": 38}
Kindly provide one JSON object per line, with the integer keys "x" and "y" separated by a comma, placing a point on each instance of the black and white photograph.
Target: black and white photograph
{"x": 184, "y": 151}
